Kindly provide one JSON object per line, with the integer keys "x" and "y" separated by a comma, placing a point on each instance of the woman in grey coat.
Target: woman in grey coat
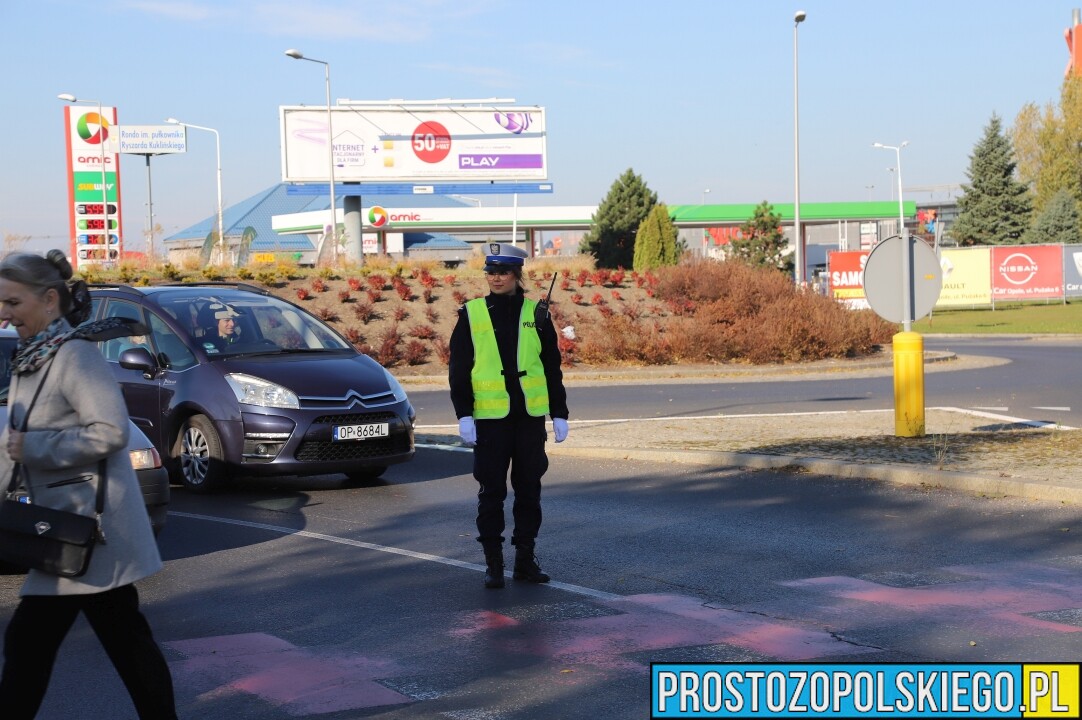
{"x": 78, "y": 419}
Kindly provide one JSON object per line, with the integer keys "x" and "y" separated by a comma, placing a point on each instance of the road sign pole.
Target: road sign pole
{"x": 908, "y": 357}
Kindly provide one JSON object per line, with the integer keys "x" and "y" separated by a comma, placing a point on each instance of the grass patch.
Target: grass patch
{"x": 1025, "y": 318}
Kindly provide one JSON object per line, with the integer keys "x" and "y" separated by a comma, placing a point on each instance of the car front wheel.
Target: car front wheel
{"x": 198, "y": 455}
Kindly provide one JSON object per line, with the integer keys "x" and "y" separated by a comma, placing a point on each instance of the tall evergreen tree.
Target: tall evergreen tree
{"x": 995, "y": 207}
{"x": 655, "y": 240}
{"x": 1057, "y": 223}
{"x": 611, "y": 237}
{"x": 762, "y": 242}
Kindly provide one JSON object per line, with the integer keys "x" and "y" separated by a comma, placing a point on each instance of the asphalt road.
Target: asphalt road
{"x": 1040, "y": 381}
{"x": 306, "y": 598}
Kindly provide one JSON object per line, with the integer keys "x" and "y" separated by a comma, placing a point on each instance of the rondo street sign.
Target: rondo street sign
{"x": 883, "y": 281}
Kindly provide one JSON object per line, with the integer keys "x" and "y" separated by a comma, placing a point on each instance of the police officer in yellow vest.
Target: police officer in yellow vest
{"x": 505, "y": 378}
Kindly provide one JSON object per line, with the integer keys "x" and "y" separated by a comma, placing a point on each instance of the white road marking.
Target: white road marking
{"x": 996, "y": 409}
{"x": 578, "y": 589}
{"x": 1054, "y": 409}
{"x": 1007, "y": 418}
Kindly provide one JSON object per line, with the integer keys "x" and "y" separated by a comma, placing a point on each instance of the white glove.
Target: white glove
{"x": 467, "y": 430}
{"x": 559, "y": 429}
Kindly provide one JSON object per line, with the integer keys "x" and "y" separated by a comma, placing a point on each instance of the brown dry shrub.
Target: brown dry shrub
{"x": 617, "y": 339}
{"x": 758, "y": 316}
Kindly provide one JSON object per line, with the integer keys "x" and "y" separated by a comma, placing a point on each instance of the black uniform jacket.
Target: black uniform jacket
{"x": 505, "y": 311}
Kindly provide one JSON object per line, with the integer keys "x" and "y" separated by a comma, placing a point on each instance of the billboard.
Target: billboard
{"x": 429, "y": 144}
{"x": 967, "y": 276}
{"x": 847, "y": 277}
{"x": 1027, "y": 272}
{"x": 1072, "y": 270}
{"x": 94, "y": 212}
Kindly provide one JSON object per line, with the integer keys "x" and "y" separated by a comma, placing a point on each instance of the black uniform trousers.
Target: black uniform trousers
{"x": 40, "y": 624}
{"x": 518, "y": 442}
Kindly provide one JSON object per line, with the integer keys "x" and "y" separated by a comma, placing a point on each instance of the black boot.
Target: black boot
{"x": 526, "y": 567}
{"x": 494, "y": 565}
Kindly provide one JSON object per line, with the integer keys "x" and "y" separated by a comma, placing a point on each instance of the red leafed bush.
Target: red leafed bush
{"x": 616, "y": 296}
{"x": 428, "y": 296}
{"x": 443, "y": 350}
{"x": 404, "y": 291}
{"x": 423, "y": 332}
{"x": 597, "y": 299}
{"x": 389, "y": 353}
{"x": 364, "y": 312}
{"x": 354, "y": 284}
{"x": 343, "y": 296}
{"x": 318, "y": 285}
{"x": 428, "y": 281}
{"x": 355, "y": 336}
{"x": 565, "y": 284}
{"x": 400, "y": 314}
{"x": 583, "y": 278}
{"x": 374, "y": 295}
{"x": 377, "y": 282}
{"x": 606, "y": 311}
{"x": 432, "y": 315}
{"x": 303, "y": 294}
{"x": 616, "y": 277}
{"x": 326, "y": 314}
{"x": 450, "y": 280}
{"x": 576, "y": 298}
{"x": 459, "y": 296}
{"x": 416, "y": 353}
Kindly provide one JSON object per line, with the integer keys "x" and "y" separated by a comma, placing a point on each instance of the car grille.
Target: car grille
{"x": 326, "y": 450}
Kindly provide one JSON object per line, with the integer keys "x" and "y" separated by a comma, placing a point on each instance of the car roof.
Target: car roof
{"x": 180, "y": 287}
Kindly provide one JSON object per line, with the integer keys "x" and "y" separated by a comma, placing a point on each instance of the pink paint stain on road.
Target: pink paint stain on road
{"x": 296, "y": 680}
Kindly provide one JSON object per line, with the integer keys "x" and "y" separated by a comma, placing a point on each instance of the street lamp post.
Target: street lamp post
{"x": 298, "y": 55}
{"x": 218, "y": 154}
{"x": 705, "y": 193}
{"x": 798, "y": 18}
{"x": 68, "y": 97}
{"x": 891, "y": 171}
{"x": 907, "y": 309}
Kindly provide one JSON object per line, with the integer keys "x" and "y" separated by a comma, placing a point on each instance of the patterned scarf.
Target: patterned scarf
{"x": 32, "y": 353}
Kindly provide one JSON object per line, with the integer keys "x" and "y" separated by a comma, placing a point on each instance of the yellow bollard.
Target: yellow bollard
{"x": 908, "y": 385}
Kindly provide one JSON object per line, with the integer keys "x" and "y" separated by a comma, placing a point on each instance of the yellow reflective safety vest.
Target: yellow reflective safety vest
{"x": 491, "y": 400}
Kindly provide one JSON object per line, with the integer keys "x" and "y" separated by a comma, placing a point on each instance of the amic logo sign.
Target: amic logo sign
{"x": 1018, "y": 268}
{"x": 377, "y": 216}
{"x": 101, "y": 132}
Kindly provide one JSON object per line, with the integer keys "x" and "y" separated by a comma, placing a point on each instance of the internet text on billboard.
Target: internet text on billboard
{"x": 1027, "y": 272}
{"x": 94, "y": 212}
{"x": 416, "y": 145}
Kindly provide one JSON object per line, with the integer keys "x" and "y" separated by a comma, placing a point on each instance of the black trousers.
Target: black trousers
{"x": 518, "y": 443}
{"x": 40, "y": 624}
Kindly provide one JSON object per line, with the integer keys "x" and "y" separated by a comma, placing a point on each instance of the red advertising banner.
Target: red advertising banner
{"x": 1027, "y": 272}
{"x": 847, "y": 273}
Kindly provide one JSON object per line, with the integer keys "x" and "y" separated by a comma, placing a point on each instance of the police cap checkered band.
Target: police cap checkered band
{"x": 505, "y": 254}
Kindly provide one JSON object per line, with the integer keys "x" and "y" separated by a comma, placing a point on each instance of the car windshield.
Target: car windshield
{"x": 230, "y": 323}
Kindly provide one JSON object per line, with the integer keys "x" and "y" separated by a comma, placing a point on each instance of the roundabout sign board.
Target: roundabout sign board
{"x": 884, "y": 279}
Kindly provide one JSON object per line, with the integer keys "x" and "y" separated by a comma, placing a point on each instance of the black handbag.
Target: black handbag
{"x": 41, "y": 538}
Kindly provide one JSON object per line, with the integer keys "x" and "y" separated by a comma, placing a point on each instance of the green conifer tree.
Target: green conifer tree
{"x": 611, "y": 237}
{"x": 655, "y": 240}
{"x": 995, "y": 207}
{"x": 762, "y": 242}
{"x": 1058, "y": 223}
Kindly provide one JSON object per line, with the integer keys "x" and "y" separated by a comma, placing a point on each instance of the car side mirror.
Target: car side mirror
{"x": 138, "y": 358}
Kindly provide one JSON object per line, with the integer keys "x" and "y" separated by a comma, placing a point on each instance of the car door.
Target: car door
{"x": 142, "y": 394}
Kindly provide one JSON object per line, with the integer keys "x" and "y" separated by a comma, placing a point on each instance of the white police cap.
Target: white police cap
{"x": 503, "y": 254}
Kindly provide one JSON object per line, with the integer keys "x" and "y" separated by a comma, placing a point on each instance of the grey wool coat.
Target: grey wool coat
{"x": 79, "y": 418}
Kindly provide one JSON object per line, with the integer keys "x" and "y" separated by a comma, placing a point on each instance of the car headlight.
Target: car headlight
{"x": 395, "y": 386}
{"x": 256, "y": 391}
{"x": 147, "y": 459}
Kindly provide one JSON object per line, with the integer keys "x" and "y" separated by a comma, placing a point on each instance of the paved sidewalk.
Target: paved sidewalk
{"x": 965, "y": 450}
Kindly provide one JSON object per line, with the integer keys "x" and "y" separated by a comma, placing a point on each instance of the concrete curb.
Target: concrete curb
{"x": 897, "y": 474}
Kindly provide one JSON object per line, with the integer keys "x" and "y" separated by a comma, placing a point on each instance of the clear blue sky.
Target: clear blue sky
{"x": 691, "y": 95}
